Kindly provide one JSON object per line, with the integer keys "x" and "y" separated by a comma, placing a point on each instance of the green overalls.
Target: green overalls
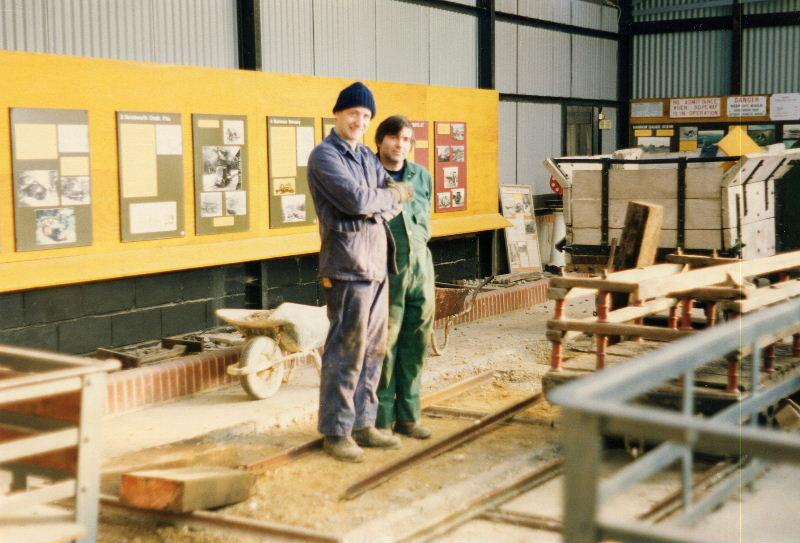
{"x": 411, "y": 306}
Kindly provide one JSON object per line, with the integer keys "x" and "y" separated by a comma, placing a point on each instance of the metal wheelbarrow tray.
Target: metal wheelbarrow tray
{"x": 274, "y": 338}
{"x": 452, "y": 301}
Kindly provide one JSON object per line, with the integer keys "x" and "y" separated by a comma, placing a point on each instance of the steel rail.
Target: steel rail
{"x": 475, "y": 509}
{"x": 282, "y": 458}
{"x": 438, "y": 447}
{"x": 230, "y": 524}
{"x": 469, "y": 414}
{"x": 525, "y": 520}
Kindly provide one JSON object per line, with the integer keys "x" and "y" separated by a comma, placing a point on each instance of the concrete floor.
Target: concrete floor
{"x": 768, "y": 513}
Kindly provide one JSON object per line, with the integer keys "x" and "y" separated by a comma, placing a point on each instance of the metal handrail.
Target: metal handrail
{"x": 602, "y": 404}
{"x": 38, "y": 375}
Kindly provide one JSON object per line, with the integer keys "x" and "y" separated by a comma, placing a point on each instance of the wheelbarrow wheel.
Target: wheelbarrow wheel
{"x": 256, "y": 353}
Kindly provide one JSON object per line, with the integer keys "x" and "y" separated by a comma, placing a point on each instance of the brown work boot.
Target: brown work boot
{"x": 343, "y": 448}
{"x": 412, "y": 429}
{"x": 372, "y": 437}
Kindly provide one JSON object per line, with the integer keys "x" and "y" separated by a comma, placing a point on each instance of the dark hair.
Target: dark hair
{"x": 391, "y": 126}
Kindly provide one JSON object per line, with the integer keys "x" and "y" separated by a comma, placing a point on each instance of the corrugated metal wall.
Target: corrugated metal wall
{"x": 608, "y": 138}
{"x": 681, "y": 64}
{"x": 340, "y": 49}
{"x": 505, "y": 57}
{"x": 771, "y": 58}
{"x": 540, "y": 62}
{"x": 508, "y": 142}
{"x": 594, "y": 68}
{"x": 665, "y": 10}
{"x": 201, "y": 32}
{"x": 544, "y": 64}
{"x": 393, "y": 40}
{"x": 454, "y": 49}
{"x": 772, "y": 6}
{"x": 538, "y": 137}
{"x": 403, "y": 48}
{"x": 287, "y": 36}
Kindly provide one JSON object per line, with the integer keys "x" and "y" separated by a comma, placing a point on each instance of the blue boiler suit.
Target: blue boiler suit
{"x": 354, "y": 206}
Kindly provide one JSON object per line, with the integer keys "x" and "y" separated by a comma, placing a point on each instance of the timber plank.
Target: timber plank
{"x": 180, "y": 490}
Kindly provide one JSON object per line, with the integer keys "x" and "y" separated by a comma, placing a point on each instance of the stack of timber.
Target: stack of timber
{"x": 724, "y": 288}
{"x": 725, "y": 204}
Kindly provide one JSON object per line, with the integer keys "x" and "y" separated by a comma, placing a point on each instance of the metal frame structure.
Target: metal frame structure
{"x": 603, "y": 404}
{"x": 32, "y": 376}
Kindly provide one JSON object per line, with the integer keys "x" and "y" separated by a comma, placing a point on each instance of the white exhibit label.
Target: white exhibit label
{"x": 747, "y": 106}
{"x": 647, "y": 109}
{"x": 694, "y": 107}
{"x": 784, "y": 107}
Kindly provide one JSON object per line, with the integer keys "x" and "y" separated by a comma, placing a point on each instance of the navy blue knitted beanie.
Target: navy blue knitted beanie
{"x": 356, "y": 95}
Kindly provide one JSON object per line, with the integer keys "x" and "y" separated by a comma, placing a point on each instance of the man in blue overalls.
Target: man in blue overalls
{"x": 411, "y": 289}
{"x": 354, "y": 204}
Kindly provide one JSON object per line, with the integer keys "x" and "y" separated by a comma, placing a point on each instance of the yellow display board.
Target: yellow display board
{"x": 105, "y": 87}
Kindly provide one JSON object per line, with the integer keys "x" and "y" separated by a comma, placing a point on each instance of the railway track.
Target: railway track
{"x": 483, "y": 499}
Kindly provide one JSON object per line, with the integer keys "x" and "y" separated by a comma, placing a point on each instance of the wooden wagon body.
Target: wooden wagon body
{"x": 725, "y": 204}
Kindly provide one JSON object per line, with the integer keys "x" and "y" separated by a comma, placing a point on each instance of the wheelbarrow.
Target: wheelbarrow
{"x": 274, "y": 341}
{"x": 452, "y": 301}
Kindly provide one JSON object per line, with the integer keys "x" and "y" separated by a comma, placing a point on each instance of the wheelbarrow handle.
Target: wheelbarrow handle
{"x": 468, "y": 305}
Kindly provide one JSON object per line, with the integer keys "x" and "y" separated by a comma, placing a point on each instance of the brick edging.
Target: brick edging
{"x": 133, "y": 389}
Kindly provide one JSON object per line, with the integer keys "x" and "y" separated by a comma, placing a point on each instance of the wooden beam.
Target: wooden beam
{"x": 763, "y": 297}
{"x": 181, "y": 490}
{"x": 640, "y": 236}
{"x": 713, "y": 275}
{"x": 627, "y": 280}
{"x": 617, "y": 329}
{"x": 700, "y": 261}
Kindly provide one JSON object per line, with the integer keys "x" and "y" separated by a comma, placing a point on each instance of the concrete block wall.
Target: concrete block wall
{"x": 77, "y": 319}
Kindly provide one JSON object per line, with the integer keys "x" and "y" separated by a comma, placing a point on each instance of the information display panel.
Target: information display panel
{"x": 450, "y": 177}
{"x": 220, "y": 173}
{"x": 150, "y": 175}
{"x": 52, "y": 178}
{"x": 290, "y": 140}
{"x": 421, "y": 154}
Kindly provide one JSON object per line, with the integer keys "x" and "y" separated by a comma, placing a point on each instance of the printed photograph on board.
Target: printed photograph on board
{"x": 236, "y": 203}
{"x": 458, "y": 197}
{"x": 450, "y": 177}
{"x": 762, "y": 134}
{"x": 37, "y": 188}
{"x": 457, "y": 153}
{"x": 513, "y": 255}
{"x": 76, "y": 191}
{"x": 791, "y": 136}
{"x": 443, "y": 153}
{"x": 687, "y": 133}
{"x": 791, "y": 131}
{"x": 55, "y": 226}
{"x": 222, "y": 168}
{"x": 283, "y": 185}
{"x": 654, "y": 144}
{"x": 210, "y": 204}
{"x": 457, "y": 131}
{"x": 707, "y": 138}
{"x": 444, "y": 199}
{"x": 293, "y": 207}
{"x": 233, "y": 132}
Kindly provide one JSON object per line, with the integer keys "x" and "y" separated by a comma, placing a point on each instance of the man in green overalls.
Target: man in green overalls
{"x": 411, "y": 290}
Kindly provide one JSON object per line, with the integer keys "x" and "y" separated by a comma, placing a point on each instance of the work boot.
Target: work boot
{"x": 372, "y": 437}
{"x": 412, "y": 429}
{"x": 343, "y": 448}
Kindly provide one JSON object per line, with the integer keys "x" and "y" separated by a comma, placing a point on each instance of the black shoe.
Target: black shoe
{"x": 412, "y": 429}
{"x": 372, "y": 437}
